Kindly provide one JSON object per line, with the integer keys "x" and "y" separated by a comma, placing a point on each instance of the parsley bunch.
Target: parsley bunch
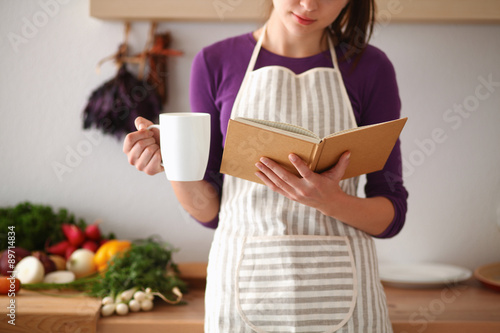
{"x": 34, "y": 225}
{"x": 147, "y": 264}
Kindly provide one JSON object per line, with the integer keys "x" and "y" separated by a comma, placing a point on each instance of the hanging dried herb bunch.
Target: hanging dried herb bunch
{"x": 114, "y": 106}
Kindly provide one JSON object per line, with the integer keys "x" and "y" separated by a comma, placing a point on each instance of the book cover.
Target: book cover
{"x": 247, "y": 140}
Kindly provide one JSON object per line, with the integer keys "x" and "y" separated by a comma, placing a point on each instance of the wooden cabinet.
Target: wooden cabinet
{"x": 482, "y": 11}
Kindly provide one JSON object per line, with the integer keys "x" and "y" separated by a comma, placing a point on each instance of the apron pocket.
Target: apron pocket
{"x": 296, "y": 283}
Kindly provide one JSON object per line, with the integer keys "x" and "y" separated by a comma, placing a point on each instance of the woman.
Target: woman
{"x": 297, "y": 254}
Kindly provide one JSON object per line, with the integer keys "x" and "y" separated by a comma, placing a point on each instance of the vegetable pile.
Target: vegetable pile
{"x": 47, "y": 243}
{"x": 131, "y": 279}
{"x": 53, "y": 251}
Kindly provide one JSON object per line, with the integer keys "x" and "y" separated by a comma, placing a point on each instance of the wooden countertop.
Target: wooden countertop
{"x": 36, "y": 312}
{"x": 464, "y": 308}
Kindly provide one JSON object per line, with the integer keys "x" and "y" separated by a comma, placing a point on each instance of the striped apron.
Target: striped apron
{"x": 277, "y": 265}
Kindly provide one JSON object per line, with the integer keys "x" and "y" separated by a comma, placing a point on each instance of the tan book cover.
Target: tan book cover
{"x": 247, "y": 140}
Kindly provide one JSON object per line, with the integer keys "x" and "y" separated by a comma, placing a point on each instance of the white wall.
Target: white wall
{"x": 45, "y": 82}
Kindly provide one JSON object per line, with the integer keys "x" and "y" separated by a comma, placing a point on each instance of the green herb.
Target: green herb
{"x": 148, "y": 263}
{"x": 83, "y": 284}
{"x": 34, "y": 225}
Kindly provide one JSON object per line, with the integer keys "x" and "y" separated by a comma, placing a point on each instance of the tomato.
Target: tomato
{"x": 8, "y": 285}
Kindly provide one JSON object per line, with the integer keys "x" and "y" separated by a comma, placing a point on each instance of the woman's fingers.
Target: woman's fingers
{"x": 142, "y": 148}
{"x": 270, "y": 179}
{"x": 141, "y": 152}
{"x": 133, "y": 138}
{"x": 301, "y": 166}
{"x": 150, "y": 160}
{"x": 275, "y": 172}
{"x": 142, "y": 123}
{"x": 338, "y": 171}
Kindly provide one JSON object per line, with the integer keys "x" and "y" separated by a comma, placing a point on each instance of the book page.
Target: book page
{"x": 348, "y": 130}
{"x": 287, "y": 128}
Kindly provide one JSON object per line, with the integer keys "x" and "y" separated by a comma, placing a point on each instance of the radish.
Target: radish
{"x": 81, "y": 262}
{"x": 69, "y": 251}
{"x": 59, "y": 277}
{"x": 29, "y": 270}
{"x": 93, "y": 232}
{"x": 59, "y": 248}
{"x": 74, "y": 234}
{"x": 90, "y": 245}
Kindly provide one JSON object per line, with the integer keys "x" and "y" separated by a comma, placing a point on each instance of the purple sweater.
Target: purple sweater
{"x": 218, "y": 71}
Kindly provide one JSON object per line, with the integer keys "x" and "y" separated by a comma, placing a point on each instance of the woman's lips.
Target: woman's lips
{"x": 303, "y": 20}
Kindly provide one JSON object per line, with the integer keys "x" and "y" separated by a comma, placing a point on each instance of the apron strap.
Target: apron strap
{"x": 343, "y": 90}
{"x": 253, "y": 61}
{"x": 250, "y": 68}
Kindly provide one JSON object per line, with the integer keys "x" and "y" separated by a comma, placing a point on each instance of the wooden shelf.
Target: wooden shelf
{"x": 178, "y": 10}
{"x": 444, "y": 11}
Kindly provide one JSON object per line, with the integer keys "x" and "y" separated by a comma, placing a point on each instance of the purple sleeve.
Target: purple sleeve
{"x": 381, "y": 103}
{"x": 201, "y": 95}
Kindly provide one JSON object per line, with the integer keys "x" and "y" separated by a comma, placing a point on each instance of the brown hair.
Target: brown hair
{"x": 353, "y": 28}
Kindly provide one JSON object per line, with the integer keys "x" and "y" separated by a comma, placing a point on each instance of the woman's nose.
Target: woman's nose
{"x": 309, "y": 5}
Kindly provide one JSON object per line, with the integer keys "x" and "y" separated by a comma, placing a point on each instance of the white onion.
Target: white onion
{"x": 140, "y": 296}
{"x": 121, "y": 309}
{"x": 59, "y": 277}
{"x": 107, "y": 300}
{"x": 30, "y": 270}
{"x": 134, "y": 305}
{"x": 126, "y": 295}
{"x": 107, "y": 310}
{"x": 81, "y": 262}
{"x": 147, "y": 305}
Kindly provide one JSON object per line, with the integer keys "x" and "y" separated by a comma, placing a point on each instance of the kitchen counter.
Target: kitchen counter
{"x": 466, "y": 307}
{"x": 463, "y": 308}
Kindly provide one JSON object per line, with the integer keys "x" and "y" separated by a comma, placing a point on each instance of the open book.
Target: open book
{"x": 248, "y": 140}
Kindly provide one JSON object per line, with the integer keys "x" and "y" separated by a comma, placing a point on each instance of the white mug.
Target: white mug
{"x": 184, "y": 144}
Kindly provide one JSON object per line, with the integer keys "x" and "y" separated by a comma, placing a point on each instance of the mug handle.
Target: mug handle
{"x": 157, "y": 127}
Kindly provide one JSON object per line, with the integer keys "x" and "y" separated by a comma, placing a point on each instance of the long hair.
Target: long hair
{"x": 353, "y": 28}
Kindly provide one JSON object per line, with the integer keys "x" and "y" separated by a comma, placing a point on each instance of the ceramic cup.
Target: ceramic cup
{"x": 184, "y": 144}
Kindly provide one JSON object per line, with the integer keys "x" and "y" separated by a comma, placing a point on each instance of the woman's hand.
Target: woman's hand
{"x": 143, "y": 147}
{"x": 321, "y": 191}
